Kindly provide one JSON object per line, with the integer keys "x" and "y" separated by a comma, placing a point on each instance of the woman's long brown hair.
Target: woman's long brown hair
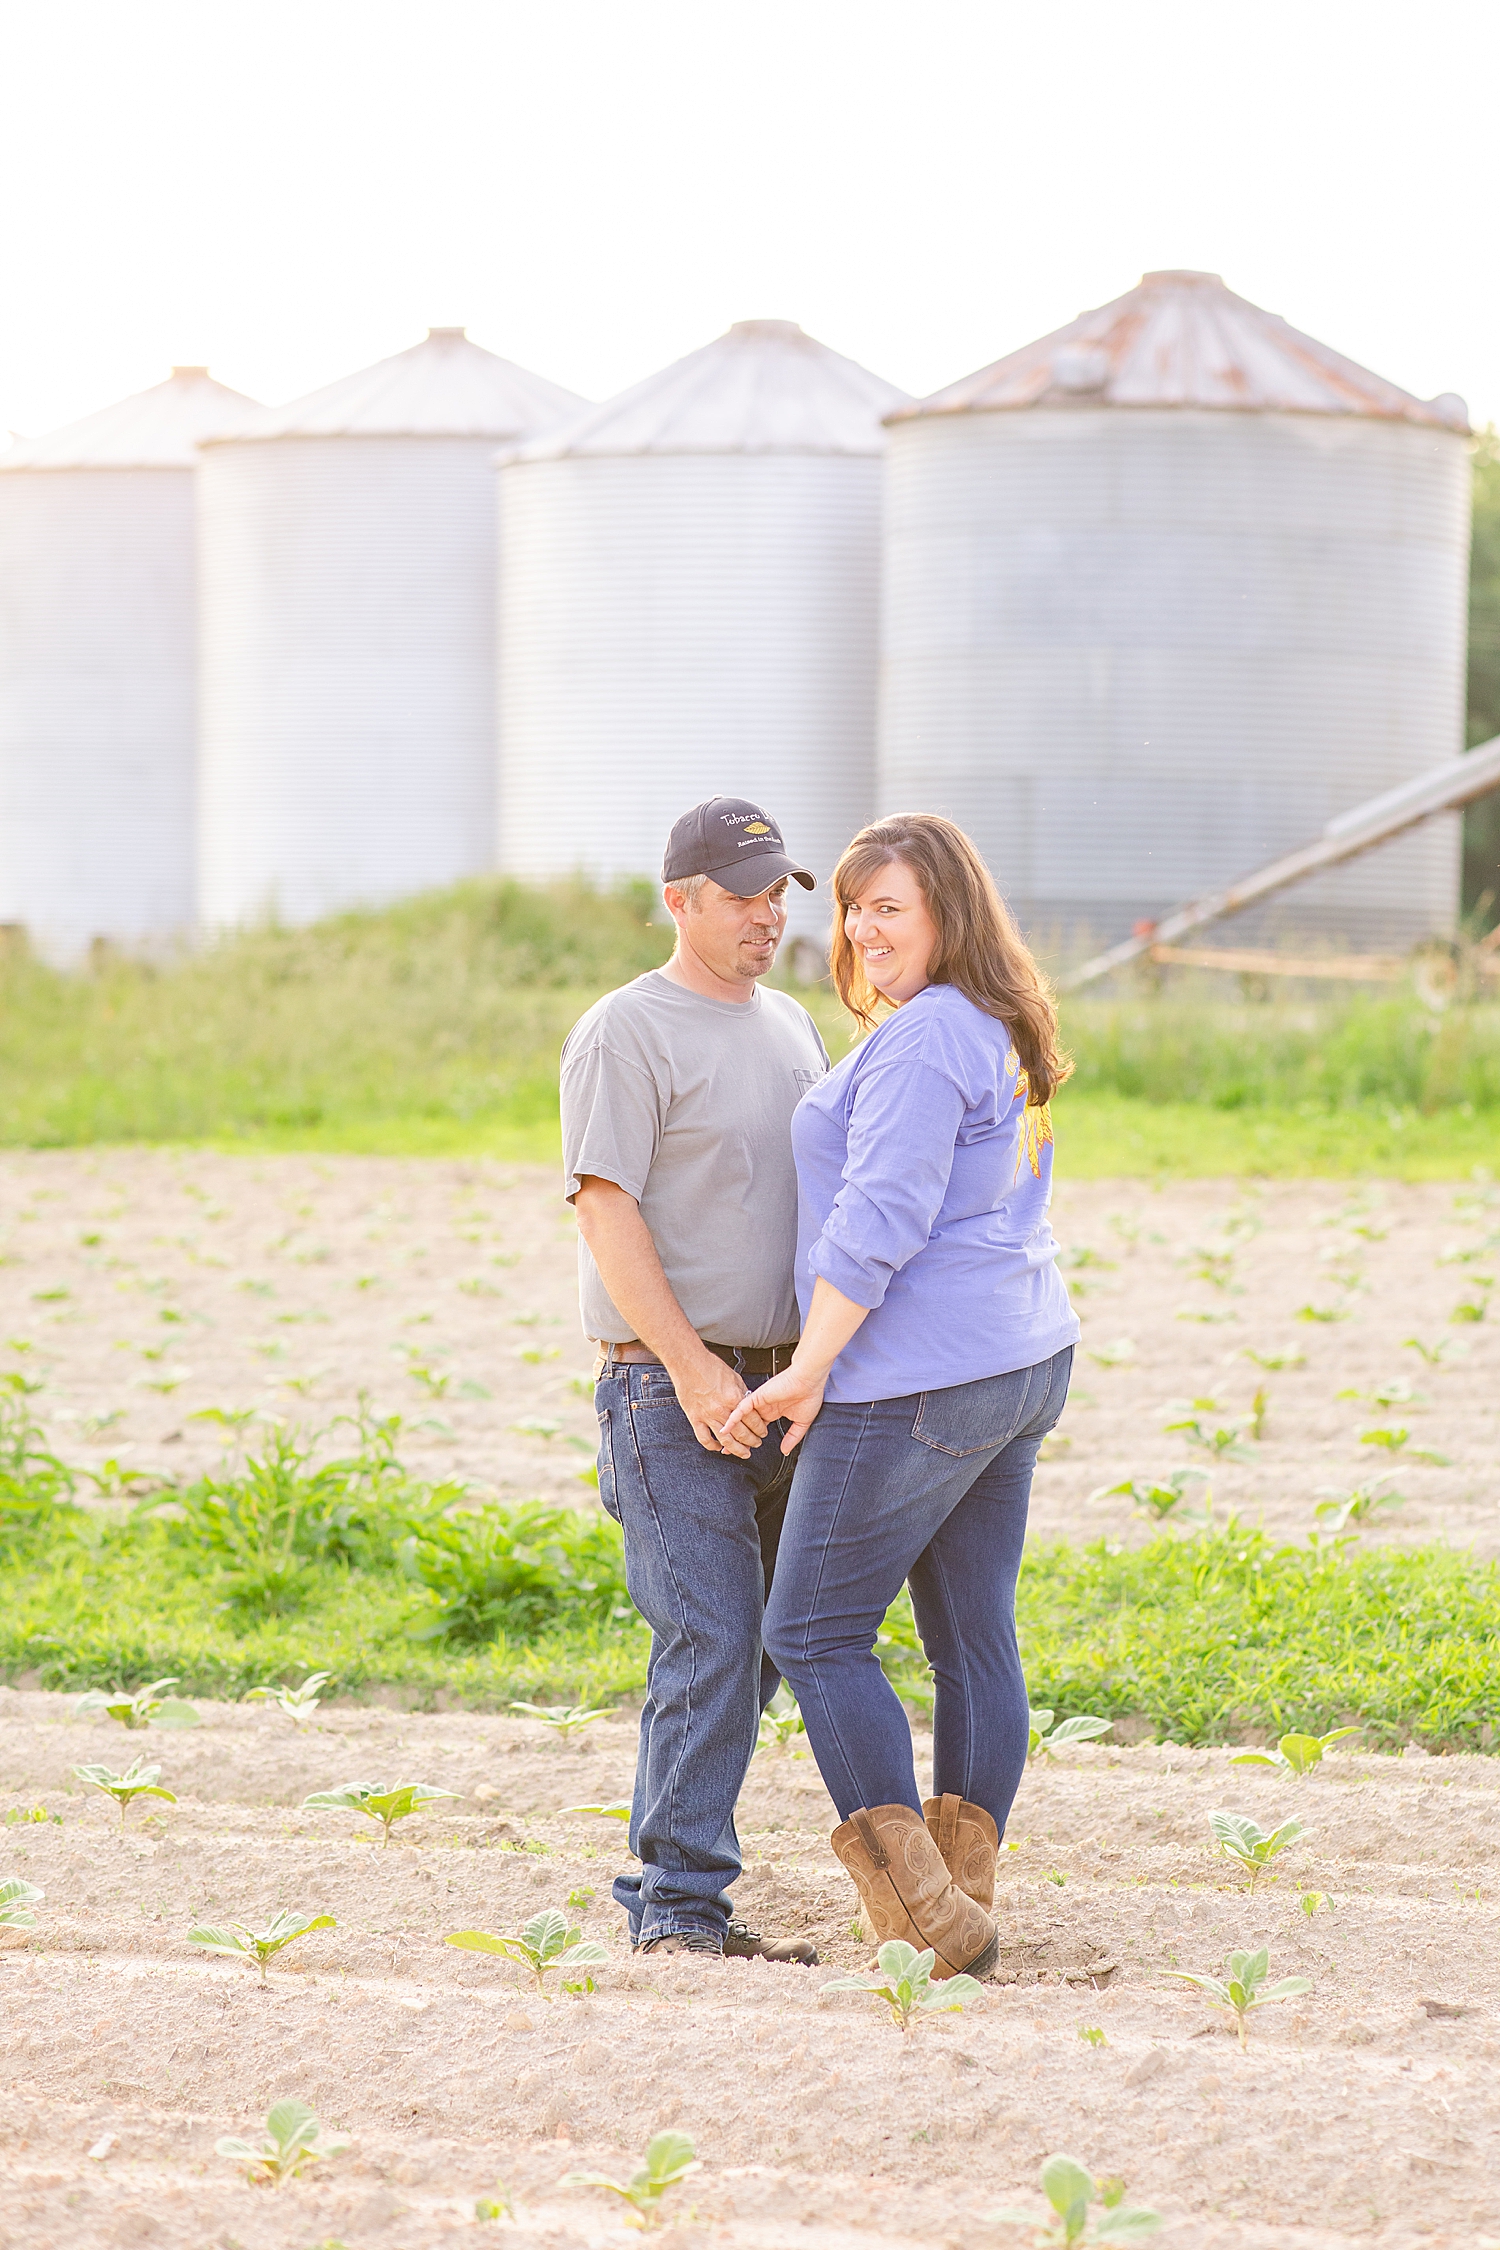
{"x": 979, "y": 948}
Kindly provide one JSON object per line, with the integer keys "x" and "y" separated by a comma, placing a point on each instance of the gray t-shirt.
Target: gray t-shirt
{"x": 686, "y": 1104}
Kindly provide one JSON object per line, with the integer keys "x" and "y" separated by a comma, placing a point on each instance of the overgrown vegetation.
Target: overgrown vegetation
{"x": 1213, "y": 1636}
{"x": 1482, "y": 821}
{"x": 435, "y": 1026}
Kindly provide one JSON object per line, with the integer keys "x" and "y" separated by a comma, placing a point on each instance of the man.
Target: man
{"x": 677, "y": 1099}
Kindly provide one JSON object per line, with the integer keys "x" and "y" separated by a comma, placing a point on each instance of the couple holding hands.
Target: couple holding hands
{"x": 832, "y": 1336}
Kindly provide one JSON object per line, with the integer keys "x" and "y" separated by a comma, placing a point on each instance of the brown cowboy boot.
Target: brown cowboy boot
{"x": 968, "y": 1839}
{"x": 907, "y": 1892}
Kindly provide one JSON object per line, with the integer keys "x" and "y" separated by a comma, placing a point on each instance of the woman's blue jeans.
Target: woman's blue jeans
{"x": 931, "y": 1489}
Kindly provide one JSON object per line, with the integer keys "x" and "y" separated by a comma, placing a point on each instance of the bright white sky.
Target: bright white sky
{"x": 291, "y": 190}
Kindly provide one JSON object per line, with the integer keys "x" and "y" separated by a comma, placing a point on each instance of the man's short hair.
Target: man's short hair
{"x": 690, "y": 886}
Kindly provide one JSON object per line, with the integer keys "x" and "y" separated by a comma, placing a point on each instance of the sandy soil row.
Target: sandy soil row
{"x": 141, "y": 1287}
{"x": 1356, "y": 2115}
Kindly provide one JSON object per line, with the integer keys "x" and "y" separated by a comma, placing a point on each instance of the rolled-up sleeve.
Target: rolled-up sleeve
{"x": 611, "y": 1119}
{"x": 903, "y": 1126}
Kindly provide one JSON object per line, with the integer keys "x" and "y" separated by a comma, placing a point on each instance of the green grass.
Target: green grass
{"x": 295, "y": 1562}
{"x": 433, "y": 1029}
{"x": 1102, "y": 1136}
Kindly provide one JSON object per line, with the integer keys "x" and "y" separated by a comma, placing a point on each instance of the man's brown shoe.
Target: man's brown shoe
{"x": 907, "y": 1891}
{"x": 968, "y": 1839}
{"x": 682, "y": 1941}
{"x": 741, "y": 1944}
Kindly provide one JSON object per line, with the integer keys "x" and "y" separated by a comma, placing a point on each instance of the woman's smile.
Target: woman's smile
{"x": 893, "y": 933}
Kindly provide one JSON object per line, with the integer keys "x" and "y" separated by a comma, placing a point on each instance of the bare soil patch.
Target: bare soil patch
{"x": 1355, "y": 2116}
{"x": 151, "y": 1284}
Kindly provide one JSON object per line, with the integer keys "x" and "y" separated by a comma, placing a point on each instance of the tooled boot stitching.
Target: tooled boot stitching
{"x": 969, "y": 1841}
{"x": 925, "y": 1900}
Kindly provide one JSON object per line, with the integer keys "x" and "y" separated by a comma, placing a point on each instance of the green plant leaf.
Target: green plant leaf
{"x": 1286, "y": 1989}
{"x": 1079, "y": 1730}
{"x": 1127, "y": 2226}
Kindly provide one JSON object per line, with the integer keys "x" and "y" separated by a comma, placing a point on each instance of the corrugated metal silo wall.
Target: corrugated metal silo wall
{"x": 681, "y": 626}
{"x": 1139, "y": 652}
{"x": 347, "y": 622}
{"x": 96, "y": 706}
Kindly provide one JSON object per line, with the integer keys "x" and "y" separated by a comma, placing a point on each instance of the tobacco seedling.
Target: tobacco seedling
{"x": 1152, "y": 1496}
{"x": 1246, "y": 1988}
{"x": 136, "y": 1781}
{"x": 148, "y": 1707}
{"x": 780, "y": 1723}
{"x": 1259, "y": 1406}
{"x": 1241, "y": 1839}
{"x": 907, "y": 1986}
{"x": 293, "y": 2138}
{"x": 566, "y": 1719}
{"x": 500, "y": 2205}
{"x": 1217, "y": 1267}
{"x": 228, "y": 1421}
{"x": 1295, "y": 1753}
{"x": 1118, "y": 1354}
{"x": 544, "y": 1944}
{"x": 297, "y": 1702}
{"x": 385, "y": 1805}
{"x": 1070, "y": 2190}
{"x": 670, "y": 2158}
{"x": 1362, "y": 1504}
{"x": 1225, "y": 1444}
{"x": 1446, "y": 1347}
{"x": 621, "y": 1811}
{"x": 1395, "y": 1441}
{"x": 1396, "y": 1392}
{"x": 1092, "y": 2035}
{"x": 16, "y": 1901}
{"x": 1044, "y": 1737}
{"x": 260, "y": 1946}
{"x": 1310, "y": 1901}
{"x": 1275, "y": 1362}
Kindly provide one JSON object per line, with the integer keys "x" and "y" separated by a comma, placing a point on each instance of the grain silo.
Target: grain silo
{"x": 97, "y": 658}
{"x": 689, "y": 592}
{"x": 1166, "y": 592}
{"x": 348, "y": 571}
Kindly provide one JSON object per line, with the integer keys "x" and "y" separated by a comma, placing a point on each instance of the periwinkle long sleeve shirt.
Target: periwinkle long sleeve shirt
{"x": 923, "y": 1184}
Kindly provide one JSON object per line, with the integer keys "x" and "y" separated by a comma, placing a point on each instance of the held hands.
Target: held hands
{"x": 709, "y": 1393}
{"x": 795, "y": 1396}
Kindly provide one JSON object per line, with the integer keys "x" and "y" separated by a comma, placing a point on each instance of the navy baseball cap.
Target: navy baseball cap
{"x": 736, "y": 843}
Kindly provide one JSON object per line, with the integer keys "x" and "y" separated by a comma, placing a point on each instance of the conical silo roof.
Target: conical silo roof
{"x": 1184, "y": 339}
{"x": 446, "y": 386}
{"x": 156, "y": 429}
{"x": 763, "y": 387}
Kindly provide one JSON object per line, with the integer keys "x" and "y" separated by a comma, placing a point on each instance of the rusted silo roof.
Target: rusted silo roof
{"x": 1183, "y": 339}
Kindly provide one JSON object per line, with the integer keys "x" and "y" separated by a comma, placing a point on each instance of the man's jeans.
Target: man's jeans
{"x": 700, "y": 1545}
{"x": 931, "y": 1489}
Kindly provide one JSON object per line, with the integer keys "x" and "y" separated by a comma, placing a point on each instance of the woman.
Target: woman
{"x": 937, "y": 1339}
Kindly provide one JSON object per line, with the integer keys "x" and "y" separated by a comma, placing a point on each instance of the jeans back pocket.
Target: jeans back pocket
{"x": 973, "y": 1417}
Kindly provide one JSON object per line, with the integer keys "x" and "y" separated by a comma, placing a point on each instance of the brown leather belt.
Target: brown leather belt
{"x": 745, "y": 1359}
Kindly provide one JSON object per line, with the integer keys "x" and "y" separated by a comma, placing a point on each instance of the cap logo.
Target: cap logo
{"x": 759, "y": 828}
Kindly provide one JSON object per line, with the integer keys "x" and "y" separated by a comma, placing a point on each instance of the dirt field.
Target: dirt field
{"x": 140, "y": 1288}
{"x": 1357, "y": 2115}
{"x": 143, "y": 1286}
